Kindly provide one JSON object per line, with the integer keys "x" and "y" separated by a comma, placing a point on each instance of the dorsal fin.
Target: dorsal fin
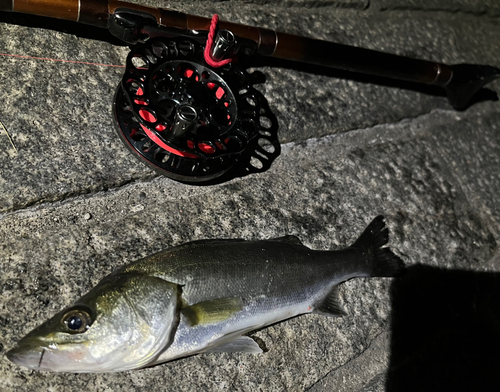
{"x": 212, "y": 241}
{"x": 290, "y": 239}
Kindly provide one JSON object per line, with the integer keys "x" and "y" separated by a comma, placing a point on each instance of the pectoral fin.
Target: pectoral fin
{"x": 214, "y": 311}
{"x": 242, "y": 344}
{"x": 331, "y": 306}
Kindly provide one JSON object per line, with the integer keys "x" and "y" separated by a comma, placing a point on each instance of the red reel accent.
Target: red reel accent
{"x": 165, "y": 146}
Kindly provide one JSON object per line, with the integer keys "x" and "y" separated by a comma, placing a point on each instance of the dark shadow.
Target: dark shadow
{"x": 483, "y": 95}
{"x": 63, "y": 26}
{"x": 445, "y": 331}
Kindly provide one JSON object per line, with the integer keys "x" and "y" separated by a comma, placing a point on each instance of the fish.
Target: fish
{"x": 200, "y": 297}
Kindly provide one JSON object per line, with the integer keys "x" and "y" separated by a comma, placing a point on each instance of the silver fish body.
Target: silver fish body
{"x": 202, "y": 296}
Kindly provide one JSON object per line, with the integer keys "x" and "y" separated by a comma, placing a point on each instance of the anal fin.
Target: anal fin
{"x": 331, "y": 306}
{"x": 242, "y": 344}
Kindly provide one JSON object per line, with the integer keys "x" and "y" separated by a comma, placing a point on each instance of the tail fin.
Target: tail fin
{"x": 384, "y": 262}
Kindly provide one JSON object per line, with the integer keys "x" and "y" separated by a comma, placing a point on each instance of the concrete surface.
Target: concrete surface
{"x": 75, "y": 205}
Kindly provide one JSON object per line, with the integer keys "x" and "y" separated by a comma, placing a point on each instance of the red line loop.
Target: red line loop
{"x": 208, "y": 47}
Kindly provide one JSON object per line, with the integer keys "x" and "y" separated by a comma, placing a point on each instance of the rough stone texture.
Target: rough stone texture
{"x": 76, "y": 205}
{"x": 353, "y": 375}
{"x": 470, "y": 149}
{"x": 474, "y": 7}
{"x": 347, "y": 4}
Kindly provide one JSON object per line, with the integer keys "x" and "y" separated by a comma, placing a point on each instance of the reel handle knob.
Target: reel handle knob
{"x": 185, "y": 118}
{"x": 224, "y": 42}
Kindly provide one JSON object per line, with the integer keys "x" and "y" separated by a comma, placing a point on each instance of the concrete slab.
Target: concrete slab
{"x": 75, "y": 205}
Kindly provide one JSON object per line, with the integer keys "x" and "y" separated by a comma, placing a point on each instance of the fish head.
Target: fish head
{"x": 123, "y": 323}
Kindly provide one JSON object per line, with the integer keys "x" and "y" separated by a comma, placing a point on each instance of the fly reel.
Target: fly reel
{"x": 184, "y": 119}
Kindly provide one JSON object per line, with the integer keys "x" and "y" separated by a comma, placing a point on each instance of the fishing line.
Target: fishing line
{"x": 60, "y": 60}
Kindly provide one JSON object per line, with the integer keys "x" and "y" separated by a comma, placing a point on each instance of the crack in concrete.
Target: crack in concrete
{"x": 349, "y": 133}
{"x": 68, "y": 197}
{"x": 350, "y": 360}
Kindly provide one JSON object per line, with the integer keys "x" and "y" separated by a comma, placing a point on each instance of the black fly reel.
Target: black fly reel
{"x": 184, "y": 119}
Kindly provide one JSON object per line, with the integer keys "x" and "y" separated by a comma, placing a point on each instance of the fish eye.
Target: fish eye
{"x": 76, "y": 321}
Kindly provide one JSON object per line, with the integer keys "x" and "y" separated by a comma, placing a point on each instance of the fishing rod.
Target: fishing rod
{"x": 185, "y": 106}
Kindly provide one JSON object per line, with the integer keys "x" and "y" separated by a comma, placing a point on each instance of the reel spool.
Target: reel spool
{"x": 181, "y": 117}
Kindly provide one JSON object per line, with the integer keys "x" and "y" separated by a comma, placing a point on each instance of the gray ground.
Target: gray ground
{"x": 74, "y": 204}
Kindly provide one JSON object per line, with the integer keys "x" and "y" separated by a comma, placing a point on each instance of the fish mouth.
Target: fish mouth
{"x": 27, "y": 356}
{"x": 37, "y": 356}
